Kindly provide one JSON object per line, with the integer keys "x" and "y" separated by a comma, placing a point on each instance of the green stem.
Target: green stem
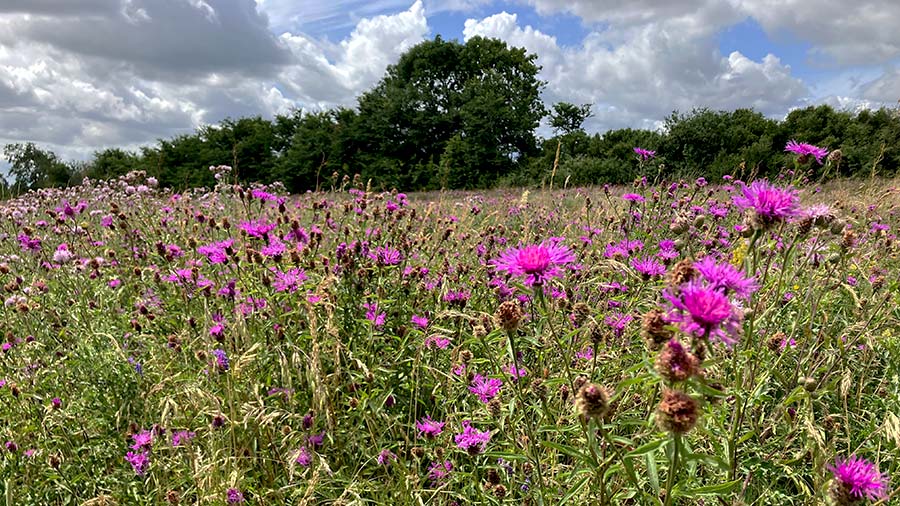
{"x": 670, "y": 482}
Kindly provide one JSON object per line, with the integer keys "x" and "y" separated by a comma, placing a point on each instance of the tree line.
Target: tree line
{"x": 463, "y": 116}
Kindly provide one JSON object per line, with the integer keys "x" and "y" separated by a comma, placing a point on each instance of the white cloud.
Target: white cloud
{"x": 650, "y": 71}
{"x": 700, "y": 12}
{"x": 858, "y": 32}
{"x": 886, "y": 88}
{"x": 79, "y": 99}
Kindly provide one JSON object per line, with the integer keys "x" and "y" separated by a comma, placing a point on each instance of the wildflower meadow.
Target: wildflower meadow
{"x": 662, "y": 343}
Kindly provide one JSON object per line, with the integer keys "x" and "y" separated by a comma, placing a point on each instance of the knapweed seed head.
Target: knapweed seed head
{"x": 592, "y": 401}
{"x": 509, "y": 314}
{"x": 677, "y": 412}
{"x": 654, "y": 329}
{"x": 675, "y": 363}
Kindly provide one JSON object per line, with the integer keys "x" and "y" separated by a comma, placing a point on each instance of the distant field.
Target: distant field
{"x": 678, "y": 343}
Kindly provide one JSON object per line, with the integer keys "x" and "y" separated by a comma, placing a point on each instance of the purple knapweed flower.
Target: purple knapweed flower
{"x": 373, "y": 315}
{"x": 420, "y": 321}
{"x": 770, "y": 204}
{"x": 256, "y": 228}
{"x": 471, "y": 440}
{"x": 804, "y": 151}
{"x": 648, "y": 268}
{"x": 143, "y": 440}
{"x": 634, "y": 197}
{"x": 386, "y": 255}
{"x": 385, "y": 457}
{"x": 221, "y": 359}
{"x": 536, "y": 263}
{"x": 704, "y": 312}
{"x": 437, "y": 341}
{"x": 234, "y": 496}
{"x": 182, "y": 437}
{"x": 139, "y": 461}
{"x": 429, "y": 428}
{"x": 216, "y": 253}
{"x": 726, "y": 277}
{"x": 644, "y": 154}
{"x": 439, "y": 471}
{"x": 289, "y": 281}
{"x": 485, "y": 388}
{"x": 859, "y": 478}
{"x": 304, "y": 458}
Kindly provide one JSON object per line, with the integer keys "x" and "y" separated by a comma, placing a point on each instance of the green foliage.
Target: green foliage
{"x": 567, "y": 118}
{"x": 33, "y": 168}
{"x": 471, "y": 107}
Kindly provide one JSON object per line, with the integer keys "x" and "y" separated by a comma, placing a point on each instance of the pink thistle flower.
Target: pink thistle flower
{"x": 536, "y": 263}
{"x": 806, "y": 150}
{"x": 429, "y": 428}
{"x": 859, "y": 477}
{"x": 485, "y": 388}
{"x": 771, "y": 204}
{"x": 704, "y": 312}
{"x": 644, "y": 154}
{"x": 471, "y": 440}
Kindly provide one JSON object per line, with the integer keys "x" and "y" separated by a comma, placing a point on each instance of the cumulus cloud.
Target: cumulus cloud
{"x": 651, "y": 71}
{"x": 858, "y": 32}
{"x": 82, "y": 75}
{"x": 884, "y": 89}
{"x": 705, "y": 12}
{"x": 106, "y": 81}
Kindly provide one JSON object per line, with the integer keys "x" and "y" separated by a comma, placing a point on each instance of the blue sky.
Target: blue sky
{"x": 80, "y": 76}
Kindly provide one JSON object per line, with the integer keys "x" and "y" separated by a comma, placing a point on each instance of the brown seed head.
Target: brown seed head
{"x": 677, "y": 412}
{"x": 509, "y": 315}
{"x": 592, "y": 401}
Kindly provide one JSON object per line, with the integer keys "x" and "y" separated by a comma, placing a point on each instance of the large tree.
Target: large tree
{"x": 33, "y": 167}
{"x": 470, "y": 109}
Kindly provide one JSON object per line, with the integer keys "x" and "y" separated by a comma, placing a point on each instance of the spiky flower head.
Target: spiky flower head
{"x": 537, "y": 263}
{"x": 704, "y": 312}
{"x": 644, "y": 154}
{"x": 768, "y": 204}
{"x": 856, "y": 479}
{"x": 726, "y": 277}
{"x": 471, "y": 440}
{"x": 804, "y": 151}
